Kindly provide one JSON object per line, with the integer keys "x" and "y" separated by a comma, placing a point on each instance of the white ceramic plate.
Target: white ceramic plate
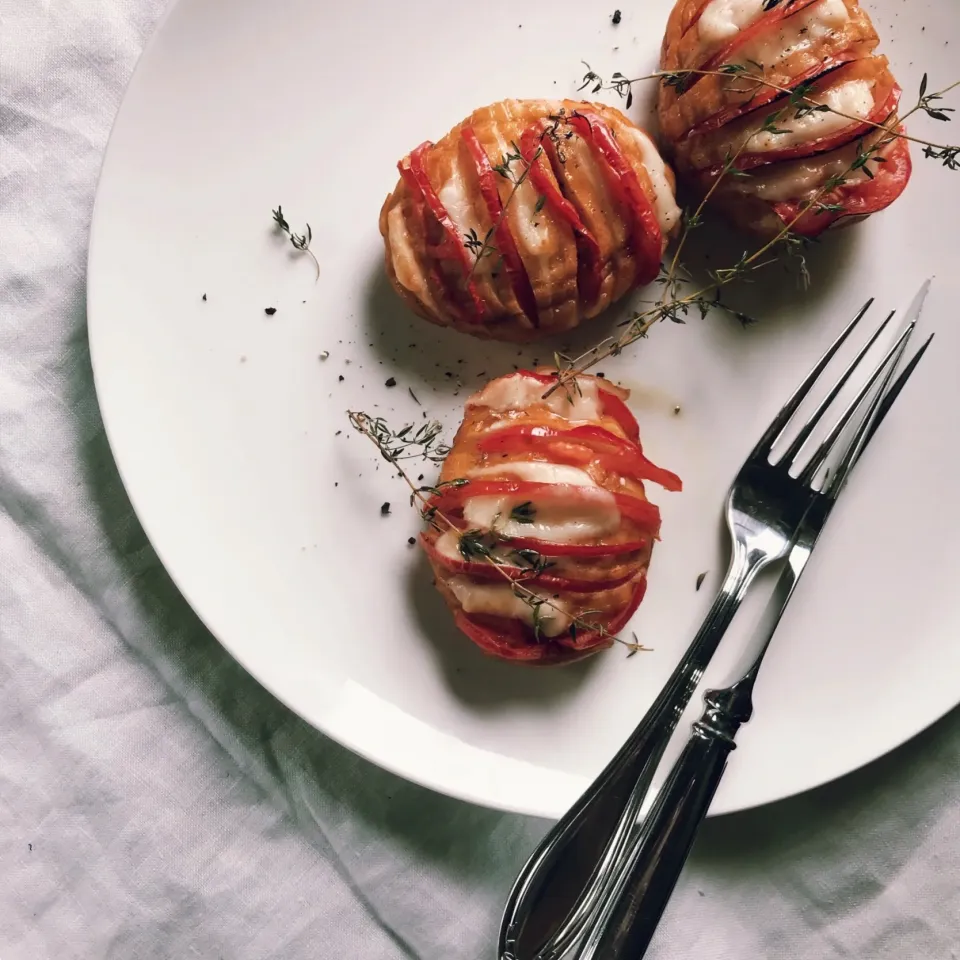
{"x": 226, "y": 425}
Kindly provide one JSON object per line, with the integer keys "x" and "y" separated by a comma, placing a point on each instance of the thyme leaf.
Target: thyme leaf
{"x": 299, "y": 241}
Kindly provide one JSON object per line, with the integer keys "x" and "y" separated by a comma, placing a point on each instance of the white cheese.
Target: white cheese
{"x": 447, "y": 545}
{"x": 529, "y": 231}
{"x": 537, "y": 472}
{"x": 453, "y": 195}
{"x": 517, "y": 392}
{"x": 554, "y": 521}
{"x": 499, "y": 600}
{"x": 854, "y": 99}
{"x": 803, "y": 31}
{"x": 800, "y": 179}
{"x": 665, "y": 204}
{"x": 723, "y": 19}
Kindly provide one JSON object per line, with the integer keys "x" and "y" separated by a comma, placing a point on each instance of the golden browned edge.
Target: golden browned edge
{"x": 412, "y": 301}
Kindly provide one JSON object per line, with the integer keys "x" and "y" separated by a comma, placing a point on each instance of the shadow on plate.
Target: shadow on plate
{"x": 437, "y": 361}
{"x": 430, "y": 359}
{"x": 480, "y": 681}
{"x": 777, "y": 291}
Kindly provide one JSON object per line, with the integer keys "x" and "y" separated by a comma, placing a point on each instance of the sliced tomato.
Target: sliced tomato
{"x": 859, "y": 199}
{"x": 588, "y": 250}
{"x": 611, "y": 405}
{"x": 581, "y": 446}
{"x": 506, "y": 244}
{"x": 454, "y": 244}
{"x": 646, "y": 239}
{"x": 439, "y": 283}
{"x": 887, "y": 108}
{"x": 590, "y": 640}
{"x": 502, "y": 638}
{"x": 482, "y": 570}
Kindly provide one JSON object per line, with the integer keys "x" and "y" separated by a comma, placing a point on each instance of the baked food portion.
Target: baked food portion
{"x": 824, "y": 90}
{"x": 527, "y": 218}
{"x": 540, "y": 530}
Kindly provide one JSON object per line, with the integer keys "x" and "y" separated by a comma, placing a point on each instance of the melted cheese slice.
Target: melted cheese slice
{"x": 529, "y": 230}
{"x": 665, "y": 204}
{"x": 518, "y": 392}
{"x": 455, "y": 199}
{"x": 499, "y": 600}
{"x": 448, "y": 545}
{"x": 553, "y": 521}
{"x": 800, "y": 179}
{"x": 536, "y": 472}
{"x": 854, "y": 98}
{"x": 723, "y": 19}
{"x": 801, "y": 32}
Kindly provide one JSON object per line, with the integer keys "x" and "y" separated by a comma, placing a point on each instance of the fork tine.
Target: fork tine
{"x": 775, "y": 430}
{"x": 791, "y": 454}
{"x": 809, "y": 472}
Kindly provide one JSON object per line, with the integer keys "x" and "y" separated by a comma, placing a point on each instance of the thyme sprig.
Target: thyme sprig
{"x": 299, "y": 241}
{"x": 407, "y": 443}
{"x": 478, "y": 545}
{"x": 675, "y": 304}
{"x": 799, "y": 98}
{"x": 481, "y": 247}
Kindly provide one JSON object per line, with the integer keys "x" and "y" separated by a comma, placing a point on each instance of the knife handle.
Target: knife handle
{"x": 627, "y": 920}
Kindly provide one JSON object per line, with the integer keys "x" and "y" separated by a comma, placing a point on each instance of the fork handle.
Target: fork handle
{"x": 561, "y": 884}
{"x": 626, "y": 923}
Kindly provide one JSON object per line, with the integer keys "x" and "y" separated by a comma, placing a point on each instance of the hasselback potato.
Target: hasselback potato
{"x": 541, "y": 531}
{"x": 823, "y": 91}
{"x": 527, "y": 218}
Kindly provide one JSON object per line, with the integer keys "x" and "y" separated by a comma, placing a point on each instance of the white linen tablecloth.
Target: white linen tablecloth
{"x": 156, "y": 803}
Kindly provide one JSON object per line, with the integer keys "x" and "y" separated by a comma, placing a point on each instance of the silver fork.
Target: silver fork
{"x": 565, "y": 882}
{"x": 624, "y": 924}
